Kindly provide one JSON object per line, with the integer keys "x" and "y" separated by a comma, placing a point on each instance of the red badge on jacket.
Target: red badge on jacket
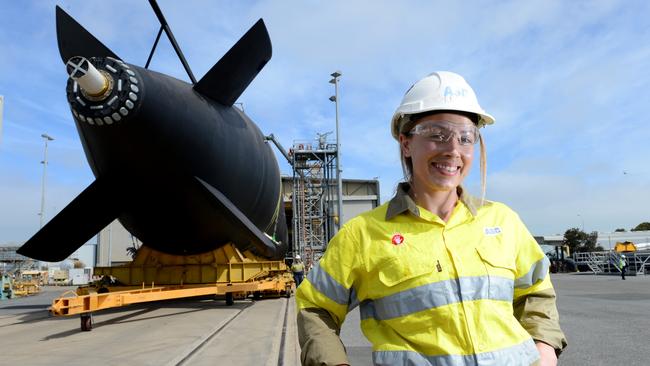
{"x": 397, "y": 239}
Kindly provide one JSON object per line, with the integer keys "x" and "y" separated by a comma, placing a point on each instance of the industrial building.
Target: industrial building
{"x": 11, "y": 261}
{"x": 607, "y": 240}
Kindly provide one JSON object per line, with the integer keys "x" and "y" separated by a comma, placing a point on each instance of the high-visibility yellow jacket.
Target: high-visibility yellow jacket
{"x": 298, "y": 267}
{"x": 471, "y": 291}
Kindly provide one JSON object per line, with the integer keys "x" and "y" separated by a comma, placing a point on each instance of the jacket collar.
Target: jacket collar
{"x": 402, "y": 202}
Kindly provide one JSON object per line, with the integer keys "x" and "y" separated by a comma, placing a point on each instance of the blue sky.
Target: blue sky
{"x": 566, "y": 80}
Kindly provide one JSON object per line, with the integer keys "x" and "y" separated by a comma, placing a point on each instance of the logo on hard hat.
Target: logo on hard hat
{"x": 397, "y": 239}
{"x": 449, "y": 92}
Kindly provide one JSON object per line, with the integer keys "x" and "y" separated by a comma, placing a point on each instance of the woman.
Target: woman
{"x": 441, "y": 278}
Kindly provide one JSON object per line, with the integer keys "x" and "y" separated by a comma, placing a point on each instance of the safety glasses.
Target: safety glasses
{"x": 443, "y": 131}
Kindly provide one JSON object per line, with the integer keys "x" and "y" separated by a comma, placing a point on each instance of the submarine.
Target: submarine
{"x": 178, "y": 165}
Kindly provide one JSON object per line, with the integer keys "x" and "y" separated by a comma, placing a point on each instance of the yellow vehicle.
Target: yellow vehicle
{"x": 38, "y": 277}
{"x": 59, "y": 277}
{"x": 625, "y": 247}
{"x": 21, "y": 288}
{"x": 225, "y": 271}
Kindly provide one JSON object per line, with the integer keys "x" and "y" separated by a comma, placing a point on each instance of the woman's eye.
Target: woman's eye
{"x": 437, "y": 137}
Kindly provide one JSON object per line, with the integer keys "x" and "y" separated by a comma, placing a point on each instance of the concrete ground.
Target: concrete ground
{"x": 606, "y": 320}
{"x": 178, "y": 332}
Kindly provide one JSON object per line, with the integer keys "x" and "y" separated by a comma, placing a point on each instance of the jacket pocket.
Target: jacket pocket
{"x": 500, "y": 271}
{"x": 396, "y": 270}
{"x": 497, "y": 263}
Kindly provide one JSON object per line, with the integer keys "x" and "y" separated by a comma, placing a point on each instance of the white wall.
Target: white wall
{"x": 112, "y": 242}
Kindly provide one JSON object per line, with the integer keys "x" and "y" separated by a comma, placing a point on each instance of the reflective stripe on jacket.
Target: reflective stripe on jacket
{"x": 472, "y": 291}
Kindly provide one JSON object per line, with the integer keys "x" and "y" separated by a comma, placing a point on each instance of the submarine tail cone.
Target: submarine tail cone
{"x": 97, "y": 85}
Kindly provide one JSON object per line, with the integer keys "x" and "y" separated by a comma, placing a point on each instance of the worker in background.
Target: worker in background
{"x": 298, "y": 269}
{"x": 622, "y": 263}
{"x": 440, "y": 277}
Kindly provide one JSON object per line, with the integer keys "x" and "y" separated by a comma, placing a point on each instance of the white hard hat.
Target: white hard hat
{"x": 440, "y": 90}
{"x": 622, "y": 255}
{"x": 297, "y": 257}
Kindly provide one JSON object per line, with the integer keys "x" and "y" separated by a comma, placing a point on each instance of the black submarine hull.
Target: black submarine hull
{"x": 181, "y": 168}
{"x": 161, "y": 146}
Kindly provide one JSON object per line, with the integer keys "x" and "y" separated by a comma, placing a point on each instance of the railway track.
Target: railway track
{"x": 200, "y": 351}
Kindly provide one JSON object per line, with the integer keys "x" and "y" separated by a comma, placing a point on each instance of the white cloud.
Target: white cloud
{"x": 550, "y": 204}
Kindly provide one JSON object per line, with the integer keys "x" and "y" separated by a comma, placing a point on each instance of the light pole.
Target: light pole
{"x": 47, "y": 138}
{"x": 583, "y": 222}
{"x": 335, "y": 99}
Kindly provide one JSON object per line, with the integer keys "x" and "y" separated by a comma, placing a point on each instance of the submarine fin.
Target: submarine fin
{"x": 84, "y": 217}
{"x": 75, "y": 40}
{"x": 247, "y": 231}
{"x": 232, "y": 74}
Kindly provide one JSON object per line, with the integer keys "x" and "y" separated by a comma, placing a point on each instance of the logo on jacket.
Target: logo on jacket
{"x": 492, "y": 231}
{"x": 397, "y": 239}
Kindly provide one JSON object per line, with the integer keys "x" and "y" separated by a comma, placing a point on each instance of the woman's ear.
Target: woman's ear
{"x": 405, "y": 145}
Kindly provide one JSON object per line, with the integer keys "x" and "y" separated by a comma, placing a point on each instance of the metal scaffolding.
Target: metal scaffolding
{"x": 11, "y": 262}
{"x": 314, "y": 194}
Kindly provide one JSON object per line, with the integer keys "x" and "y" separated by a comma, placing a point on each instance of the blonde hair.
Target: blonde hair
{"x": 483, "y": 163}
